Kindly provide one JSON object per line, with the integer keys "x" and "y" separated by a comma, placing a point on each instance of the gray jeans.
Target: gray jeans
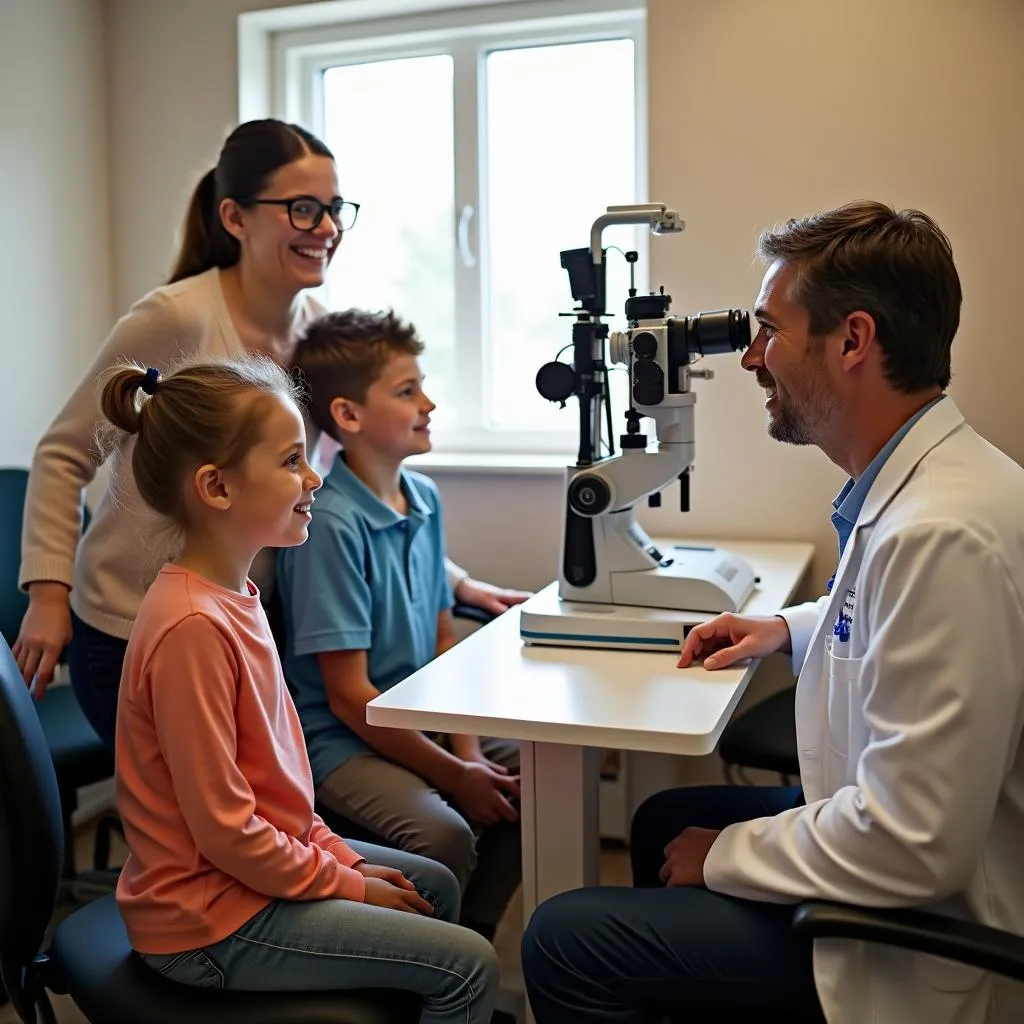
{"x": 406, "y": 811}
{"x": 324, "y": 945}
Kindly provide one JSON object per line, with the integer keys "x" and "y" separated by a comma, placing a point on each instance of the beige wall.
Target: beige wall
{"x": 173, "y": 99}
{"x": 763, "y": 111}
{"x": 54, "y": 236}
{"x": 758, "y": 111}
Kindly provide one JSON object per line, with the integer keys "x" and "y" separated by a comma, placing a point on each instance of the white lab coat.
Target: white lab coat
{"x": 910, "y": 746}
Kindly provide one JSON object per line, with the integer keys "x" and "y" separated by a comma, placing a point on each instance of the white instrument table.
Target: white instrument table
{"x": 564, "y": 704}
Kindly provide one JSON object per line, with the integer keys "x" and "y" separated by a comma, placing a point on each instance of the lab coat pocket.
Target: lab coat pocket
{"x": 843, "y": 675}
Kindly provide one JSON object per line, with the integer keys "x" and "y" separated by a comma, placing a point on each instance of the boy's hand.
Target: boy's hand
{"x": 478, "y": 757}
{"x": 392, "y": 875}
{"x": 467, "y": 748}
{"x": 487, "y": 596}
{"x": 381, "y": 893}
{"x": 483, "y": 794}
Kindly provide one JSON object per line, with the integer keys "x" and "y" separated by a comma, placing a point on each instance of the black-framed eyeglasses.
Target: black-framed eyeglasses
{"x": 306, "y": 212}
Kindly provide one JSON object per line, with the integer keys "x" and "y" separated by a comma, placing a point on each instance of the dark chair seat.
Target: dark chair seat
{"x": 112, "y": 985}
{"x": 764, "y": 736}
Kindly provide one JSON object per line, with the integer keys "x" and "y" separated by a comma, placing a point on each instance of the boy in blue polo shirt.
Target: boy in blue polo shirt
{"x": 367, "y": 602}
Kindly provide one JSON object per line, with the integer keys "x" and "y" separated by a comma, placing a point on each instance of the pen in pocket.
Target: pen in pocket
{"x": 841, "y": 637}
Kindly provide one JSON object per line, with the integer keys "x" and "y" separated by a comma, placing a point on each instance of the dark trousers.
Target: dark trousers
{"x": 95, "y": 660}
{"x": 636, "y": 956}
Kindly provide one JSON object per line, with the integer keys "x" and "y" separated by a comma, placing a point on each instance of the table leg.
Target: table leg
{"x": 559, "y": 816}
{"x": 559, "y": 807}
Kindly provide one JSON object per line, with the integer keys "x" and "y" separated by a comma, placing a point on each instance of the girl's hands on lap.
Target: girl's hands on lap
{"x": 392, "y": 875}
{"x": 381, "y": 892}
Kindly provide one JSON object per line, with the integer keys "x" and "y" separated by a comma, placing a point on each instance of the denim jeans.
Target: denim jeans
{"x": 95, "y": 660}
{"x": 635, "y": 956}
{"x": 325, "y": 945}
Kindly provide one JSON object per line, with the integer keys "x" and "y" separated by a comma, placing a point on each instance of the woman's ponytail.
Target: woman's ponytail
{"x": 202, "y": 217}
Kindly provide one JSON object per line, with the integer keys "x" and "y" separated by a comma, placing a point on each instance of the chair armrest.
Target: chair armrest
{"x": 472, "y": 613}
{"x": 963, "y": 941}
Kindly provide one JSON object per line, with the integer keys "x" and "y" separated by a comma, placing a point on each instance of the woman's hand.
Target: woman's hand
{"x": 45, "y": 633}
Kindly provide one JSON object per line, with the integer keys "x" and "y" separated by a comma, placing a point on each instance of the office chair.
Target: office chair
{"x": 79, "y": 757}
{"x": 763, "y": 736}
{"x": 89, "y": 957}
{"x": 966, "y": 942}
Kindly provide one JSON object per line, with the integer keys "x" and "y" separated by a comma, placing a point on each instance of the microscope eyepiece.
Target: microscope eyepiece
{"x": 718, "y": 332}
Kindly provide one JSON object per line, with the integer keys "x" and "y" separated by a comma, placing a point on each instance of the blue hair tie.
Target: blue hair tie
{"x": 149, "y": 384}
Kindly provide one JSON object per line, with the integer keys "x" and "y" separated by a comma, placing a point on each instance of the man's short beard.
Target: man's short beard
{"x": 789, "y": 430}
{"x": 807, "y": 425}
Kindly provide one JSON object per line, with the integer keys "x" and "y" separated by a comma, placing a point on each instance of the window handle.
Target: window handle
{"x": 465, "y": 216}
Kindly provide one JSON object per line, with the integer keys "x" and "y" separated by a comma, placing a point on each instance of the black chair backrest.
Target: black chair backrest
{"x": 31, "y": 829}
{"x": 13, "y": 600}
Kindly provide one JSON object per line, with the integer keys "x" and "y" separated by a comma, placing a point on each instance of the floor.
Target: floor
{"x": 614, "y": 871}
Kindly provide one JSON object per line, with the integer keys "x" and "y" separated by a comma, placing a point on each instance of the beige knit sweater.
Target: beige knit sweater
{"x": 110, "y": 568}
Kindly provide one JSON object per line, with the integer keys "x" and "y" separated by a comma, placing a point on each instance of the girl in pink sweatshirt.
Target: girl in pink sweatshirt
{"x": 232, "y": 880}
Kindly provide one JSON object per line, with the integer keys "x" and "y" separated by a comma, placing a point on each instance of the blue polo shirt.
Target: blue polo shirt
{"x": 367, "y": 579}
{"x": 851, "y": 498}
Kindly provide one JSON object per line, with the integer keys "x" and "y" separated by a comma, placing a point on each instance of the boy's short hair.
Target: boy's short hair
{"x": 342, "y": 354}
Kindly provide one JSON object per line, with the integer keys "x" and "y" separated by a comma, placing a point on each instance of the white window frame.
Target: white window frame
{"x": 297, "y": 58}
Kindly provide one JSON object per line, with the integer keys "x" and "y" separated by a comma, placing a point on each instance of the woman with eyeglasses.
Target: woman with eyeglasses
{"x": 261, "y": 230}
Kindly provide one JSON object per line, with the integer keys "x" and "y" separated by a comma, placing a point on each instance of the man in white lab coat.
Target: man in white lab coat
{"x": 910, "y": 697}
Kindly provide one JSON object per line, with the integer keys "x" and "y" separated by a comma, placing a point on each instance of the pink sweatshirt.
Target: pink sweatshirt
{"x": 213, "y": 781}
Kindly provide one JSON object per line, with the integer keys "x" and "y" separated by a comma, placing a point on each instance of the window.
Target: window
{"x": 478, "y": 150}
